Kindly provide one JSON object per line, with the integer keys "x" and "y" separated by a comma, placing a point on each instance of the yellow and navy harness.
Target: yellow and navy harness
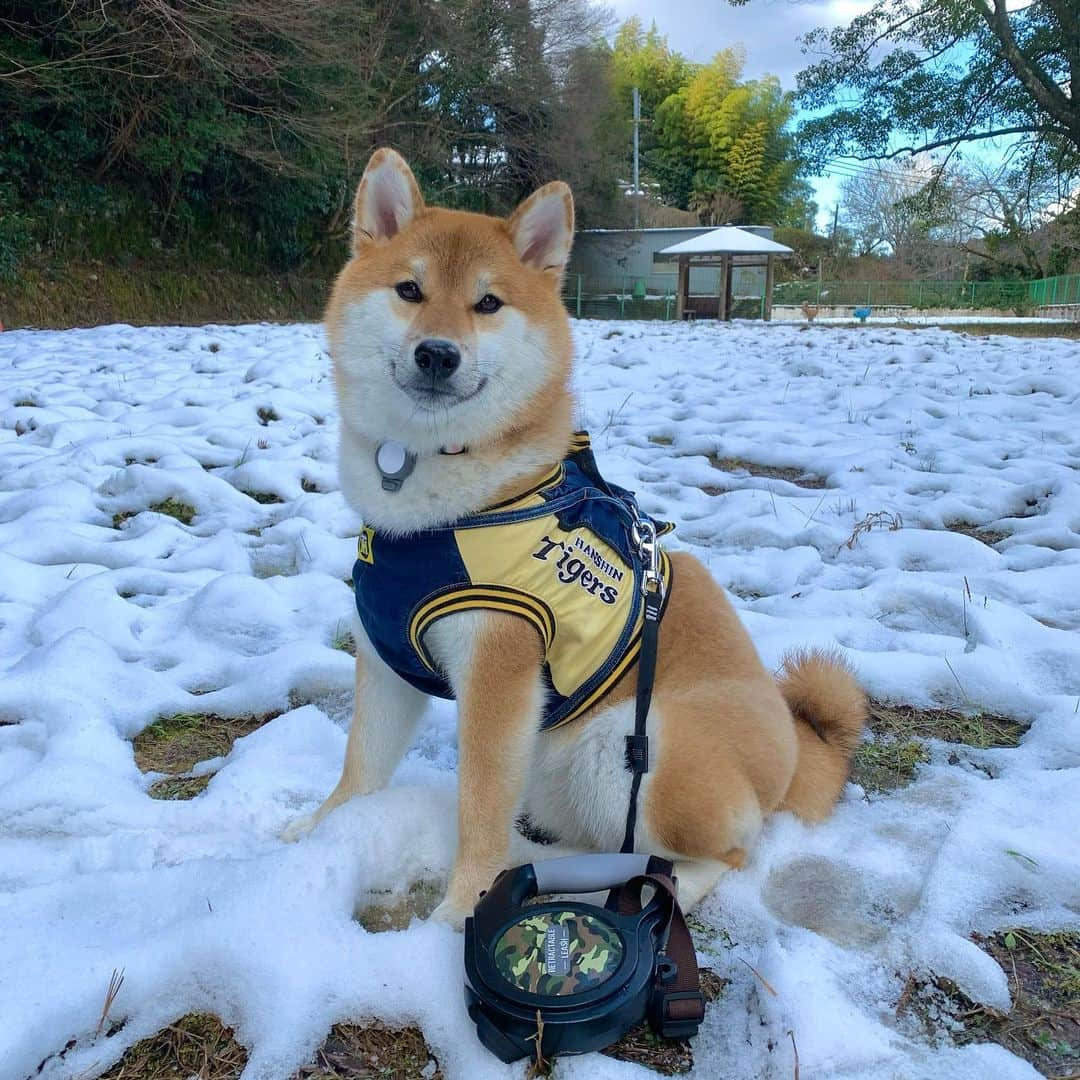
{"x": 566, "y": 555}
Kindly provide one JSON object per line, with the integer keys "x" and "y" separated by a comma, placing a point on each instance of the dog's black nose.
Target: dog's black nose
{"x": 440, "y": 359}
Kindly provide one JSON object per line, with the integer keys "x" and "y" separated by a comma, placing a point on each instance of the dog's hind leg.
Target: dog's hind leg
{"x": 385, "y": 713}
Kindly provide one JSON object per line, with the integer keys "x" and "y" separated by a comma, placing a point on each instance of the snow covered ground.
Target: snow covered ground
{"x": 103, "y": 629}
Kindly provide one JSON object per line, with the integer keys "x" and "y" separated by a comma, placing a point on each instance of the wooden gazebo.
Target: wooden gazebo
{"x": 726, "y": 248}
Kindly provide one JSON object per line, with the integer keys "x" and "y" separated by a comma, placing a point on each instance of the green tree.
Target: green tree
{"x": 929, "y": 74}
{"x": 718, "y": 136}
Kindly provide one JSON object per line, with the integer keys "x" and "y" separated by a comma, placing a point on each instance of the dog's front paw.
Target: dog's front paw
{"x": 299, "y": 828}
{"x": 452, "y": 914}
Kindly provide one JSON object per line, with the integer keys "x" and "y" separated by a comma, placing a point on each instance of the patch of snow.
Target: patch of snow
{"x": 104, "y": 628}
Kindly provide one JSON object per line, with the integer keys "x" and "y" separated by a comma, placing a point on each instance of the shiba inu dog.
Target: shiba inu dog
{"x": 451, "y": 346}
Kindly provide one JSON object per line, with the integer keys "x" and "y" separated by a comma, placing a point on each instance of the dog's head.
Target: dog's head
{"x": 447, "y": 327}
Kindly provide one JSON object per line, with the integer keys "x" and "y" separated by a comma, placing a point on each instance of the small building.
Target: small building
{"x": 610, "y": 267}
{"x": 728, "y": 250}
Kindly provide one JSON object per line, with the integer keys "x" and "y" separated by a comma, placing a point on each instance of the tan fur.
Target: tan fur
{"x": 731, "y": 744}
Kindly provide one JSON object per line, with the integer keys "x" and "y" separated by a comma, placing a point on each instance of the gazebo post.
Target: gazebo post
{"x": 683, "y": 288}
{"x": 721, "y": 300}
{"x": 729, "y": 273}
{"x": 768, "y": 287}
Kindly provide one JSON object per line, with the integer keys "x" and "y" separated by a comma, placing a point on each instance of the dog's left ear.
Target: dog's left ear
{"x": 542, "y": 228}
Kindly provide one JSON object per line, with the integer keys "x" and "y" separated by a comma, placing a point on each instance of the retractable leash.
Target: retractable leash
{"x": 565, "y": 977}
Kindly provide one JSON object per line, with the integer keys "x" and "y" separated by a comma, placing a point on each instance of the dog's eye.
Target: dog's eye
{"x": 489, "y": 303}
{"x": 409, "y": 290}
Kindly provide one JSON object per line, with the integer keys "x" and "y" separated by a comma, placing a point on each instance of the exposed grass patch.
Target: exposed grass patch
{"x": 343, "y": 639}
{"x": 197, "y": 1045}
{"x": 176, "y": 744}
{"x": 267, "y": 414}
{"x": 124, "y": 515}
{"x": 398, "y": 911}
{"x": 669, "y": 1057}
{"x": 267, "y": 498}
{"x": 983, "y": 533}
{"x": 352, "y": 1051}
{"x": 886, "y": 764}
{"x": 90, "y": 295}
{"x": 1043, "y": 1026}
{"x": 661, "y": 440}
{"x": 890, "y": 759}
{"x": 180, "y": 788}
{"x": 308, "y": 485}
{"x": 977, "y": 728}
{"x": 175, "y": 508}
{"x": 1024, "y": 330}
{"x": 798, "y": 477}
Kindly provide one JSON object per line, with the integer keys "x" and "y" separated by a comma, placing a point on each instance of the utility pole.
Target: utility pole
{"x": 637, "y": 179}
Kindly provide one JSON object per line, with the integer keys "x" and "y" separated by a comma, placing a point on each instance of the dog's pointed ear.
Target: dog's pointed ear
{"x": 542, "y": 228}
{"x": 387, "y": 199}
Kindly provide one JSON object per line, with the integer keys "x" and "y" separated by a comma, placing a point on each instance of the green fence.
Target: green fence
{"x": 633, "y": 298}
{"x": 1056, "y": 291}
{"x": 1004, "y": 295}
{"x": 619, "y": 298}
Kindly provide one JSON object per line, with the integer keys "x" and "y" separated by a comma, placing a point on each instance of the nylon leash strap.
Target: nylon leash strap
{"x": 677, "y": 1007}
{"x": 637, "y": 745}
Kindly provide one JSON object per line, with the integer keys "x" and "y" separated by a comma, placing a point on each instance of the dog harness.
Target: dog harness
{"x": 564, "y": 555}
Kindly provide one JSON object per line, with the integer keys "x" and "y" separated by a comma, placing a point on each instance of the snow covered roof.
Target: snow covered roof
{"x": 727, "y": 240}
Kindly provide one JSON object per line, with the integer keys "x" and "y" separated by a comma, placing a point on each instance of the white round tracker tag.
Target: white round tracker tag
{"x": 394, "y": 463}
{"x": 390, "y": 457}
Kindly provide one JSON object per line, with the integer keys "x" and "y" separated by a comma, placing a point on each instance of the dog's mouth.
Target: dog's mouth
{"x": 435, "y": 397}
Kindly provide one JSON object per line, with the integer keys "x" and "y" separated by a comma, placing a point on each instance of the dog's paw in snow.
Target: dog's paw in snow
{"x": 453, "y": 915}
{"x": 299, "y": 828}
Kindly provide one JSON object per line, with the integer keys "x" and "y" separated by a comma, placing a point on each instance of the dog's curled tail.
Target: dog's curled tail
{"x": 830, "y": 713}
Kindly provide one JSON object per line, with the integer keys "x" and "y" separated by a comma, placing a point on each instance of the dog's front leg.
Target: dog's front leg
{"x": 494, "y": 663}
{"x": 385, "y": 711}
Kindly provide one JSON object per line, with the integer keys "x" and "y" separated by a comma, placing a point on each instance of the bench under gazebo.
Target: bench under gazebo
{"x": 727, "y": 248}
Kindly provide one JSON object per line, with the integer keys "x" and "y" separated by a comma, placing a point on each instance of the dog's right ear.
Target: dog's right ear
{"x": 386, "y": 201}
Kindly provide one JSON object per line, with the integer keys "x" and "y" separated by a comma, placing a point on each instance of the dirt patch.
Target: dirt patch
{"x": 197, "y": 1045}
{"x": 798, "y": 477}
{"x": 176, "y": 744}
{"x": 982, "y": 533}
{"x": 669, "y": 1057}
{"x": 396, "y": 911}
{"x": 352, "y": 1051}
{"x": 1043, "y": 1026}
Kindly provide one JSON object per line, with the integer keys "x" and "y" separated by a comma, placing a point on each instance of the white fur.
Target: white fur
{"x": 385, "y": 712}
{"x": 374, "y": 341}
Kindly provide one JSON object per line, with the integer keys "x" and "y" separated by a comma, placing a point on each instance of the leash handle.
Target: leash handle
{"x": 587, "y": 873}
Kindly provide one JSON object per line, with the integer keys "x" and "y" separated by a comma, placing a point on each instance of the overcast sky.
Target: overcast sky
{"x": 767, "y": 29}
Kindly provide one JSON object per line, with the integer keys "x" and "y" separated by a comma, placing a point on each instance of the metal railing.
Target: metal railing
{"x": 626, "y": 297}
{"x": 1056, "y": 292}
